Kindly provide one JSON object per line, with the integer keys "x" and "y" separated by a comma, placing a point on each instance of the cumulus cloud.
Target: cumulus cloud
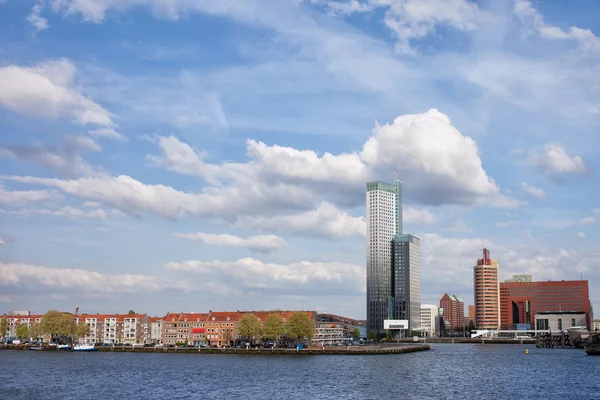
{"x": 39, "y": 23}
{"x": 554, "y": 161}
{"x": 533, "y": 22}
{"x": 436, "y": 162}
{"x": 258, "y": 244}
{"x": 532, "y": 190}
{"x": 48, "y": 90}
{"x": 326, "y": 221}
{"x": 32, "y": 277}
{"x": 305, "y": 277}
{"x": 18, "y": 198}
{"x": 63, "y": 158}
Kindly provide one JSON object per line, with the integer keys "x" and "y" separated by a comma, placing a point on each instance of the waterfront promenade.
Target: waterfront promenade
{"x": 343, "y": 350}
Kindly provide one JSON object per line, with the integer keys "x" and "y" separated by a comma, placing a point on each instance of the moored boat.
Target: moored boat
{"x": 592, "y": 345}
{"x": 84, "y": 347}
{"x": 578, "y": 335}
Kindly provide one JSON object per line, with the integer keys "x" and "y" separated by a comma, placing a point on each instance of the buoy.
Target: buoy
{"x": 526, "y": 351}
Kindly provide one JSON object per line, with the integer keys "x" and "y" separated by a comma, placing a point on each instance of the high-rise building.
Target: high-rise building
{"x": 430, "y": 322}
{"x": 406, "y": 279}
{"x": 471, "y": 311}
{"x": 393, "y": 260}
{"x": 520, "y": 301}
{"x": 452, "y": 310}
{"x": 487, "y": 292}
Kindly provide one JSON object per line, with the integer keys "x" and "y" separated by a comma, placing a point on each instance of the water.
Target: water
{"x": 459, "y": 371}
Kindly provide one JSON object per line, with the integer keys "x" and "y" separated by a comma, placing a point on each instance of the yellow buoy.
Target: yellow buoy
{"x": 526, "y": 351}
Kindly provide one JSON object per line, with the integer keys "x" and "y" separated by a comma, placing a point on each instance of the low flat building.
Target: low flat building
{"x": 559, "y": 320}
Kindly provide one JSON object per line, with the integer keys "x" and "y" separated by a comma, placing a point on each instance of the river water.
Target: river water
{"x": 459, "y": 371}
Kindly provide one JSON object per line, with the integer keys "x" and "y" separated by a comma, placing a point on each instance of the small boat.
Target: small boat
{"x": 592, "y": 345}
{"x": 84, "y": 347}
{"x": 43, "y": 348}
{"x": 578, "y": 335}
{"x": 63, "y": 347}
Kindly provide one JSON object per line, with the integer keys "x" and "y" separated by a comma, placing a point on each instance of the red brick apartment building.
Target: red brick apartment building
{"x": 520, "y": 301}
{"x": 453, "y": 310}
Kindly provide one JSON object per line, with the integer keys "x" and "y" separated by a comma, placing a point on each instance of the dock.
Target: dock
{"x": 553, "y": 340}
{"x": 342, "y": 350}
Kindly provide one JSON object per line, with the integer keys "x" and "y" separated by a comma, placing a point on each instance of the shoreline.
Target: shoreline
{"x": 352, "y": 350}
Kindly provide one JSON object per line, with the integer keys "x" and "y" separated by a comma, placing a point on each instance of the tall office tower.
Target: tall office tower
{"x": 406, "y": 280}
{"x": 384, "y": 221}
{"x": 486, "y": 276}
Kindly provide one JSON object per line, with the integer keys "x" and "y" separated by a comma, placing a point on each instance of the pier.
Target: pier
{"x": 553, "y": 339}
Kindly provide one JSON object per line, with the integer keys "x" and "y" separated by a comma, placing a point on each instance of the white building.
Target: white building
{"x": 110, "y": 331}
{"x": 327, "y": 333}
{"x": 156, "y": 334}
{"x": 430, "y": 321}
{"x": 384, "y": 221}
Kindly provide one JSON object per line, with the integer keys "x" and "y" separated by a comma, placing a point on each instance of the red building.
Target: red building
{"x": 453, "y": 311}
{"x": 520, "y": 301}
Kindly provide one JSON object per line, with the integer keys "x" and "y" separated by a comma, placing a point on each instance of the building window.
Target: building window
{"x": 572, "y": 321}
{"x": 560, "y": 324}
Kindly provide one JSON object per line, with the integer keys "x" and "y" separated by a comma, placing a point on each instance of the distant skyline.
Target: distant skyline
{"x": 175, "y": 155}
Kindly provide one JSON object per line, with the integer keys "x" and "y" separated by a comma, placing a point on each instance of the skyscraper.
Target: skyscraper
{"x": 486, "y": 277}
{"x": 393, "y": 260}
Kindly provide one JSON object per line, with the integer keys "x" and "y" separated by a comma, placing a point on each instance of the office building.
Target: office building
{"x": 384, "y": 221}
{"x": 406, "y": 280}
{"x": 521, "y": 301}
{"x": 559, "y": 320}
{"x": 430, "y": 322}
{"x": 452, "y": 309}
{"x": 471, "y": 312}
{"x": 487, "y": 292}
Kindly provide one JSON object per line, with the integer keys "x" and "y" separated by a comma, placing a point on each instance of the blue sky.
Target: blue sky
{"x": 179, "y": 155}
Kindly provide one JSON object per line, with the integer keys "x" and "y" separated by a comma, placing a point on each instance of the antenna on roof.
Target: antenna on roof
{"x": 394, "y": 176}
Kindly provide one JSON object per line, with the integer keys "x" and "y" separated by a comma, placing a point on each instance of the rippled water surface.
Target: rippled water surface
{"x": 459, "y": 371}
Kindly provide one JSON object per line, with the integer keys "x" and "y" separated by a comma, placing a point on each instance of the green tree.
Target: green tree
{"x": 22, "y": 331}
{"x": 300, "y": 326}
{"x": 389, "y": 335}
{"x": 82, "y": 331}
{"x": 274, "y": 326}
{"x": 35, "y": 331}
{"x": 3, "y": 326}
{"x": 131, "y": 312}
{"x": 58, "y": 324}
{"x": 372, "y": 335}
{"x": 249, "y": 326}
{"x": 356, "y": 334}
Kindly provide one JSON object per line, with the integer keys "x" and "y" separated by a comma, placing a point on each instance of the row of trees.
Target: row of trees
{"x": 298, "y": 327}
{"x": 54, "y": 324}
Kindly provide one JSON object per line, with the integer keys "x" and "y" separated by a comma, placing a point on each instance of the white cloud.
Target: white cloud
{"x": 581, "y": 235}
{"x": 32, "y": 277}
{"x": 326, "y": 221}
{"x": 47, "y": 90}
{"x": 532, "y": 190}
{"x": 258, "y": 244}
{"x": 587, "y": 42}
{"x": 588, "y": 220}
{"x": 63, "y": 158}
{"x": 554, "y": 161}
{"x": 39, "y": 23}
{"x": 305, "y": 277}
{"x": 417, "y": 216}
{"x": 66, "y": 211}
{"x": 107, "y": 133}
{"x": 347, "y": 7}
{"x": 18, "y": 198}
{"x": 2, "y": 241}
{"x": 433, "y": 158}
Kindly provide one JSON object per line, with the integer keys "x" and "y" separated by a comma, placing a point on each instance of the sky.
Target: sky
{"x": 195, "y": 155}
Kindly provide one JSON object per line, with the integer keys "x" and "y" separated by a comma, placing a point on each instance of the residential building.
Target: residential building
{"x": 452, "y": 310}
{"x": 521, "y": 301}
{"x": 406, "y": 280}
{"x": 471, "y": 312}
{"x": 487, "y": 292}
{"x": 221, "y": 327}
{"x": 156, "y": 330}
{"x": 114, "y": 328}
{"x": 327, "y": 333}
{"x": 430, "y": 322}
{"x": 520, "y": 278}
{"x": 559, "y": 321}
{"x": 384, "y": 221}
{"x": 187, "y": 328}
{"x": 15, "y": 318}
{"x": 349, "y": 324}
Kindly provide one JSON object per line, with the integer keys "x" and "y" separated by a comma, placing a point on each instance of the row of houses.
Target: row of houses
{"x": 213, "y": 328}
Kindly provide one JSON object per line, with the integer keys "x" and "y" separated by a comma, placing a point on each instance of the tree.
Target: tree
{"x": 249, "y": 326}
{"x": 227, "y": 336}
{"x": 3, "y": 326}
{"x": 273, "y": 327}
{"x": 389, "y": 335}
{"x": 22, "y": 331}
{"x": 372, "y": 336}
{"x": 82, "y": 331}
{"x": 300, "y": 326}
{"x": 35, "y": 331}
{"x": 131, "y": 312}
{"x": 58, "y": 324}
{"x": 356, "y": 334}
